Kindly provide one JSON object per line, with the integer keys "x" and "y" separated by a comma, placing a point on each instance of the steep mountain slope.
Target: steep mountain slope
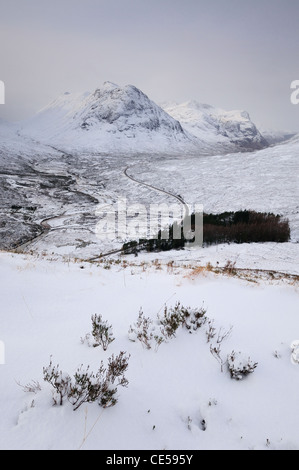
{"x": 111, "y": 118}
{"x": 124, "y": 119}
{"x": 228, "y": 130}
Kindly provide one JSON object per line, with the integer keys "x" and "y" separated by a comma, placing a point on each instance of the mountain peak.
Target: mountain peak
{"x": 122, "y": 118}
{"x": 217, "y": 127}
{"x": 108, "y": 86}
{"x": 112, "y": 117}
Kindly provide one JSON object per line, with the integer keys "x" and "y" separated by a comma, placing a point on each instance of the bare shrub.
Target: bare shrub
{"x": 101, "y": 335}
{"x": 101, "y": 332}
{"x": 88, "y": 387}
{"x": 142, "y": 330}
{"x": 59, "y": 381}
{"x": 240, "y": 366}
{"x": 230, "y": 267}
{"x": 117, "y": 367}
{"x": 32, "y": 387}
{"x": 166, "y": 327}
{"x": 180, "y": 316}
{"x": 216, "y": 348}
{"x": 211, "y": 331}
{"x": 194, "y": 318}
{"x": 171, "y": 321}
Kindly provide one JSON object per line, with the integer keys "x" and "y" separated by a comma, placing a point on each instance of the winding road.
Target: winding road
{"x": 46, "y": 226}
{"x": 179, "y": 198}
{"x": 153, "y": 188}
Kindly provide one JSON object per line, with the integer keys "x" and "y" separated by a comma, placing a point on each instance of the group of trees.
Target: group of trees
{"x": 227, "y": 227}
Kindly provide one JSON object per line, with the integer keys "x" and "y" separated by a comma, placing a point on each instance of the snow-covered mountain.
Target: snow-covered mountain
{"x": 111, "y": 118}
{"x": 216, "y": 128}
{"x": 274, "y": 137}
{"x": 122, "y": 119}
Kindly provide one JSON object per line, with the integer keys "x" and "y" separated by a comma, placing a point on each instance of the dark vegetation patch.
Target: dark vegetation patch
{"x": 227, "y": 227}
{"x": 244, "y": 227}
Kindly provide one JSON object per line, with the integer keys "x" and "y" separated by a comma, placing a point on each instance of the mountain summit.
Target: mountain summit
{"x": 111, "y": 118}
{"x": 127, "y": 109}
{"x": 216, "y": 127}
{"x": 124, "y": 119}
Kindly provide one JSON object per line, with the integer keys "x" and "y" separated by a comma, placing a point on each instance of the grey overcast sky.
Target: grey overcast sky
{"x": 234, "y": 54}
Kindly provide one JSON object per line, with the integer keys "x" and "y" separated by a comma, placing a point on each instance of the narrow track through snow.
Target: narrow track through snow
{"x": 153, "y": 188}
{"x": 179, "y": 198}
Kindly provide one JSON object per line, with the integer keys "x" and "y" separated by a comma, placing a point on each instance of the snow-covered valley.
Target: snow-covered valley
{"x": 52, "y": 183}
{"x": 51, "y": 197}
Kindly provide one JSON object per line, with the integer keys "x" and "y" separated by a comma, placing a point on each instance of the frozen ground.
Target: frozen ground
{"x": 55, "y": 195}
{"x": 50, "y": 198}
{"x": 266, "y": 181}
{"x": 46, "y": 308}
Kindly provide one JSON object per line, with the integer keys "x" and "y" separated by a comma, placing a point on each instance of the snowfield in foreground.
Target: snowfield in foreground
{"x": 177, "y": 397}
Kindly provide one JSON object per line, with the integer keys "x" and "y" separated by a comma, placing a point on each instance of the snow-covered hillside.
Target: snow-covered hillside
{"x": 58, "y": 193}
{"x": 216, "y": 128}
{"x": 177, "y": 397}
{"x": 123, "y": 119}
{"x": 112, "y": 118}
{"x": 51, "y": 189}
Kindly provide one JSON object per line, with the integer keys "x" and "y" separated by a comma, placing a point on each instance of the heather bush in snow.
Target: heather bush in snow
{"x": 194, "y": 318}
{"x": 180, "y": 316}
{"x": 101, "y": 335}
{"x": 147, "y": 332}
{"x": 217, "y": 347}
{"x": 240, "y": 366}
{"x": 101, "y": 332}
{"x": 32, "y": 387}
{"x": 117, "y": 367}
{"x": 171, "y": 321}
{"x": 59, "y": 381}
{"x": 88, "y": 387}
{"x": 211, "y": 331}
{"x": 142, "y": 330}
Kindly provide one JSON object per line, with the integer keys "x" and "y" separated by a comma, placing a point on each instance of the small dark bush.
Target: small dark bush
{"x": 180, "y": 316}
{"x": 101, "y": 332}
{"x": 87, "y": 387}
{"x": 240, "y": 366}
{"x": 149, "y": 332}
{"x": 101, "y": 335}
{"x": 142, "y": 330}
{"x": 60, "y": 382}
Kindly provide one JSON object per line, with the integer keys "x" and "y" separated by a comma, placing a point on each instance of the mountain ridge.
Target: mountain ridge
{"x": 110, "y": 118}
{"x": 217, "y": 126}
{"x": 115, "y": 118}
